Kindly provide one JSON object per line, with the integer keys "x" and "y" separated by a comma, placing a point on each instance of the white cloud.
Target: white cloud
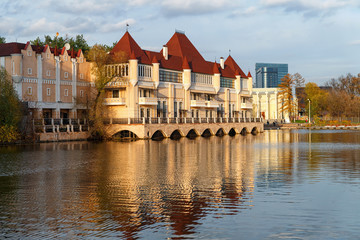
{"x": 113, "y": 27}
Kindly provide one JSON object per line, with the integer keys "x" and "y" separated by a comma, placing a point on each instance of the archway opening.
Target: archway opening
{"x": 192, "y": 134}
{"x": 254, "y": 131}
{"x": 206, "y": 133}
{"x": 220, "y": 132}
{"x": 175, "y": 135}
{"x": 232, "y": 132}
{"x": 124, "y": 135}
{"x": 243, "y": 131}
{"x": 158, "y": 136}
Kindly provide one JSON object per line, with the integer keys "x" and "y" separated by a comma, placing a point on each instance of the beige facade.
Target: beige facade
{"x": 50, "y": 80}
{"x": 268, "y": 105}
{"x": 159, "y": 88}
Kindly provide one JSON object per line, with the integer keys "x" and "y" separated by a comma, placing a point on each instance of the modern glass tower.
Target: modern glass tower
{"x": 269, "y": 75}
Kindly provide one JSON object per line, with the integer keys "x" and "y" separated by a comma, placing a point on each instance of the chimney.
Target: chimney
{"x": 222, "y": 64}
{"x": 165, "y": 52}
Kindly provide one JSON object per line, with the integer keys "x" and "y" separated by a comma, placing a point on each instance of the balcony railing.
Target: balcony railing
{"x": 197, "y": 103}
{"x": 114, "y": 101}
{"x": 246, "y": 106}
{"x": 212, "y": 104}
{"x": 148, "y": 101}
{"x": 179, "y": 120}
{"x": 56, "y": 125}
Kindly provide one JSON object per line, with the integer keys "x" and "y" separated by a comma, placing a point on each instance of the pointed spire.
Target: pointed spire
{"x": 132, "y": 55}
{"x": 249, "y": 75}
{"x": 216, "y": 68}
{"x": 185, "y": 64}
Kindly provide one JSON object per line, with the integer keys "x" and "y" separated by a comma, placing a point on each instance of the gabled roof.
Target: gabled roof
{"x": 233, "y": 65}
{"x": 6, "y": 49}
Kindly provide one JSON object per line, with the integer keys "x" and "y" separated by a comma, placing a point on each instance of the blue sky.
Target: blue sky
{"x": 320, "y": 39}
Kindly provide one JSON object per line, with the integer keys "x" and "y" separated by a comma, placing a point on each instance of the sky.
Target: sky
{"x": 320, "y": 39}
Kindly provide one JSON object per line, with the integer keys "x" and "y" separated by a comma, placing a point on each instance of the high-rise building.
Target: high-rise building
{"x": 269, "y": 75}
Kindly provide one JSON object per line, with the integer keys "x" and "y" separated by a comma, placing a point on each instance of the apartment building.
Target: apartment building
{"x": 175, "y": 82}
{"x": 54, "y": 82}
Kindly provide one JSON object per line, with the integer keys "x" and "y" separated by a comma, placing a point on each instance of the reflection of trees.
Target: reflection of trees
{"x": 173, "y": 183}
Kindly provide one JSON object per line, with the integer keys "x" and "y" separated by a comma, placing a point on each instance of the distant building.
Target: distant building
{"x": 269, "y": 75}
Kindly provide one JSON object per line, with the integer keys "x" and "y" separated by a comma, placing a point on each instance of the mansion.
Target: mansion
{"x": 175, "y": 82}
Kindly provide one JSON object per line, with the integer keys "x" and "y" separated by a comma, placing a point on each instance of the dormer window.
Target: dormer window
{"x": 66, "y": 58}
{"x": 29, "y": 52}
{"x": 81, "y": 60}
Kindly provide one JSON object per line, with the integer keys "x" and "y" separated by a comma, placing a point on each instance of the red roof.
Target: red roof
{"x": 182, "y": 54}
{"x": 6, "y": 49}
{"x": 216, "y": 68}
{"x": 249, "y": 75}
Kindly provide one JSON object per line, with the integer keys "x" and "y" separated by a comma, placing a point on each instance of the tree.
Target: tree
{"x": 10, "y": 109}
{"x": 100, "y": 59}
{"x": 286, "y": 95}
{"x": 77, "y": 43}
{"x": 317, "y": 99}
{"x": 299, "y": 81}
{"x": 2, "y": 40}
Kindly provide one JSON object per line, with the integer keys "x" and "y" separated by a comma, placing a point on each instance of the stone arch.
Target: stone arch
{"x": 207, "y": 133}
{"x": 124, "y": 135}
{"x": 176, "y": 134}
{"x": 192, "y": 134}
{"x": 254, "y": 131}
{"x": 220, "y": 132}
{"x": 244, "y": 131}
{"x": 158, "y": 135}
{"x": 232, "y": 132}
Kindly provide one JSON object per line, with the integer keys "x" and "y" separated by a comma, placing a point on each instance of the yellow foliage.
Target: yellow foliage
{"x": 8, "y": 134}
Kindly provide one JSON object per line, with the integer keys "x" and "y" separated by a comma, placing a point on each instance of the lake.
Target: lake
{"x": 280, "y": 184}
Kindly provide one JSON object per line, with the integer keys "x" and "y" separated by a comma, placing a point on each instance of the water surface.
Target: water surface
{"x": 295, "y": 184}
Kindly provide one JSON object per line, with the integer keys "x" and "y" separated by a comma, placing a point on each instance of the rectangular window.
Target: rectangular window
{"x": 66, "y": 74}
{"x": 81, "y": 93}
{"x": 115, "y": 93}
{"x": 226, "y": 82}
{"x": 158, "y": 109}
{"x": 48, "y": 55}
{"x": 81, "y": 76}
{"x": 29, "y": 90}
{"x": 48, "y": 73}
{"x": 65, "y": 57}
{"x": 29, "y": 71}
{"x": 167, "y": 76}
{"x": 48, "y": 91}
{"x": 175, "y": 109}
{"x": 66, "y": 93}
{"x": 164, "y": 109}
{"x": 29, "y": 52}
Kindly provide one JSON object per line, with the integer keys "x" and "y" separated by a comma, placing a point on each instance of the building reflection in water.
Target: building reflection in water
{"x": 115, "y": 189}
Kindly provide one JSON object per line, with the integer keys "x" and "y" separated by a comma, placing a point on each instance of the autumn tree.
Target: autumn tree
{"x": 103, "y": 76}
{"x": 317, "y": 99}
{"x": 286, "y": 95}
{"x": 10, "y": 109}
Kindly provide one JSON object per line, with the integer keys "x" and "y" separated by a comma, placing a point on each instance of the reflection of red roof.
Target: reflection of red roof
{"x": 182, "y": 54}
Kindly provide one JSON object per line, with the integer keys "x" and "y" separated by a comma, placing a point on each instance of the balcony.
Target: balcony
{"x": 246, "y": 106}
{"x": 148, "y": 101}
{"x": 245, "y": 92}
{"x": 197, "y": 103}
{"x": 114, "y": 101}
{"x": 212, "y": 104}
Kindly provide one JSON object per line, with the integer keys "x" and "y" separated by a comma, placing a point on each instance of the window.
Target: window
{"x": 65, "y": 58}
{"x": 81, "y": 76}
{"x": 13, "y": 67}
{"x": 29, "y": 90}
{"x": 115, "y": 93}
{"x": 164, "y": 109}
{"x": 66, "y": 93}
{"x": 81, "y": 60}
{"x": 226, "y": 82}
{"x": 175, "y": 109}
{"x": 48, "y": 73}
{"x": 48, "y": 55}
{"x": 29, "y": 52}
{"x": 29, "y": 71}
{"x": 48, "y": 91}
{"x": 167, "y": 76}
{"x": 66, "y": 74}
{"x": 81, "y": 93}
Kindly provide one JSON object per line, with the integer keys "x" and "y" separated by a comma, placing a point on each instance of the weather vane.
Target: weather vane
{"x": 229, "y": 52}
{"x": 127, "y": 26}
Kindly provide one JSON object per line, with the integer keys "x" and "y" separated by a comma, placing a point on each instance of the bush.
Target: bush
{"x": 8, "y": 134}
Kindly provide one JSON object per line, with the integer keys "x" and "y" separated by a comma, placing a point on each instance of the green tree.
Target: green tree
{"x": 2, "y": 40}
{"x": 286, "y": 95}
{"x": 10, "y": 109}
{"x": 100, "y": 59}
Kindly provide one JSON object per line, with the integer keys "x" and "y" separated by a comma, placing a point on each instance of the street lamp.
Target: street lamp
{"x": 309, "y": 110}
